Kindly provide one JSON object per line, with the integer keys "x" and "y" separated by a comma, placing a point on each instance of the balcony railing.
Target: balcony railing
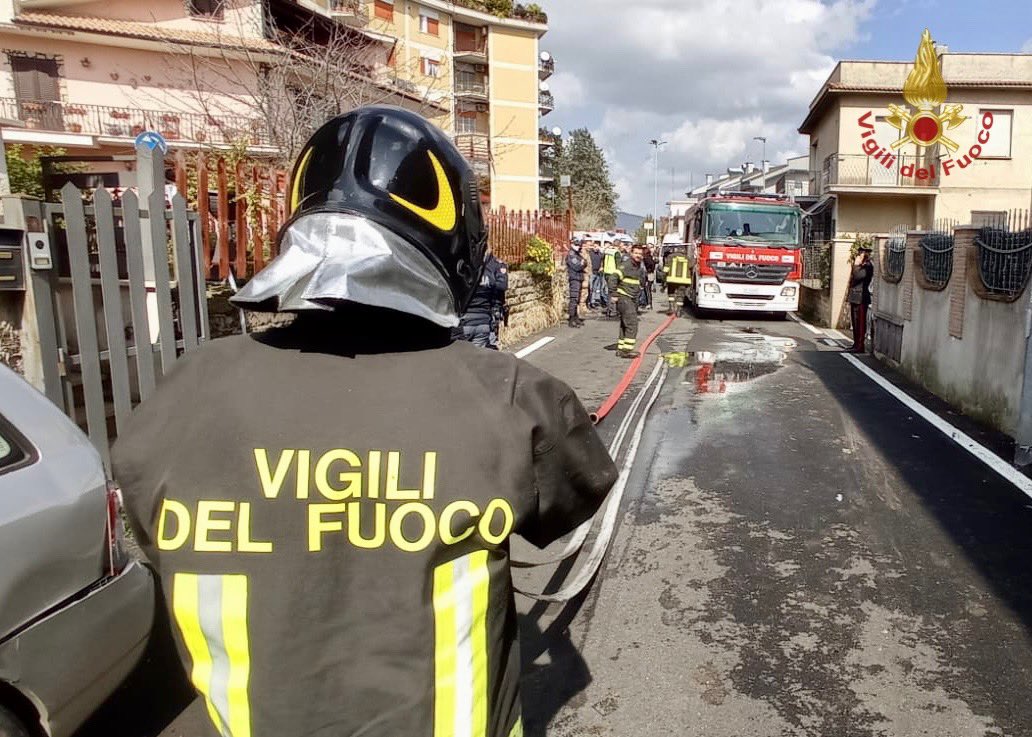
{"x": 352, "y": 12}
{"x": 546, "y": 102}
{"x": 546, "y": 68}
{"x": 476, "y": 148}
{"x": 470, "y": 87}
{"x": 473, "y": 50}
{"x": 124, "y": 122}
{"x": 860, "y": 170}
{"x": 546, "y": 137}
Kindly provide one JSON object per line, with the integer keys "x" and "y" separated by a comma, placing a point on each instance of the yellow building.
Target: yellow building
{"x": 487, "y": 71}
{"x": 885, "y": 154}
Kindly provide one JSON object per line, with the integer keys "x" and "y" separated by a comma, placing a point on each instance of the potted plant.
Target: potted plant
{"x": 200, "y": 136}
{"x": 120, "y": 114}
{"x": 75, "y": 128}
{"x": 75, "y": 110}
{"x": 137, "y": 129}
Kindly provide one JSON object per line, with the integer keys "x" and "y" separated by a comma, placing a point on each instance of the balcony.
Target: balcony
{"x": 476, "y": 147}
{"x": 469, "y": 50}
{"x": 546, "y": 138}
{"x": 350, "y": 12}
{"x": 546, "y": 102}
{"x": 546, "y": 68}
{"x": 470, "y": 87}
{"x": 859, "y": 172}
{"x": 124, "y": 122}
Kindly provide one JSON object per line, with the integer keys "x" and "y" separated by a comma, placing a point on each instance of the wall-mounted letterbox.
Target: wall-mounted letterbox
{"x": 12, "y": 260}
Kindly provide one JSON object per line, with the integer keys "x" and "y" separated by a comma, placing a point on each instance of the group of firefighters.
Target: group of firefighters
{"x": 622, "y": 278}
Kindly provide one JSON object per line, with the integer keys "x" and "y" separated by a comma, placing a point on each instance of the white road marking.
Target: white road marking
{"x": 965, "y": 441}
{"x": 804, "y": 323}
{"x": 533, "y": 347}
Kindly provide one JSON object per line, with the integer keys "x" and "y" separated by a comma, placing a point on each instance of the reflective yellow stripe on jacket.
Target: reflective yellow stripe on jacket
{"x": 211, "y": 613}
{"x": 680, "y": 273}
{"x": 460, "y": 647}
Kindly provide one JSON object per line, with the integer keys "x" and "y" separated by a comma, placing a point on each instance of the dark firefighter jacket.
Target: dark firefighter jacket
{"x": 329, "y": 508}
{"x": 576, "y": 265}
{"x": 489, "y": 298}
{"x": 626, "y": 282}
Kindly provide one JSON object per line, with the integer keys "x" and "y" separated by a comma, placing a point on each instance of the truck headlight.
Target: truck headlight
{"x": 788, "y": 292}
{"x": 711, "y": 288}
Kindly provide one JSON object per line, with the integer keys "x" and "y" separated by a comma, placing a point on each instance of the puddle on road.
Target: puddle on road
{"x": 739, "y": 360}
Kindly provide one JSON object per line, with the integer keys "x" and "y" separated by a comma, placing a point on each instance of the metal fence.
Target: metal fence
{"x": 817, "y": 264}
{"x": 895, "y": 253}
{"x": 510, "y": 232}
{"x": 937, "y": 254}
{"x": 1004, "y": 249}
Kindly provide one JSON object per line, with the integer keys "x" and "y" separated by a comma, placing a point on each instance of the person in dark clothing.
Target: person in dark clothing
{"x": 625, "y": 286}
{"x": 483, "y": 318}
{"x": 860, "y": 297}
{"x": 329, "y": 504}
{"x": 576, "y": 265}
{"x": 597, "y": 291}
{"x": 649, "y": 261}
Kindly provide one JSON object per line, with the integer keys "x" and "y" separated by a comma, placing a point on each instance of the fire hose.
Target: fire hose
{"x": 611, "y": 506}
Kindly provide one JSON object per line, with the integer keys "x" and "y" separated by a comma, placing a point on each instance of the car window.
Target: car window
{"x": 11, "y": 453}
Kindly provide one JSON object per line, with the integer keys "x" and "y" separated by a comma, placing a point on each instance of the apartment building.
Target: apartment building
{"x": 488, "y": 71}
{"x": 88, "y": 77}
{"x": 948, "y": 137}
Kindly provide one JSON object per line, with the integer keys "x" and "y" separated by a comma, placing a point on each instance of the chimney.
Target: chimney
{"x": 709, "y": 179}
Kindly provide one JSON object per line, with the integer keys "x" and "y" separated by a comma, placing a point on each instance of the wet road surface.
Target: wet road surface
{"x": 801, "y": 556}
{"x": 797, "y": 555}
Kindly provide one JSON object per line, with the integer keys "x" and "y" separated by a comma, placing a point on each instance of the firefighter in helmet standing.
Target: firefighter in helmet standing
{"x": 487, "y": 311}
{"x": 329, "y": 504}
{"x": 678, "y": 277}
{"x": 624, "y": 288}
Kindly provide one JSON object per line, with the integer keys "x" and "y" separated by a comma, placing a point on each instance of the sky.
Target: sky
{"x": 708, "y": 76}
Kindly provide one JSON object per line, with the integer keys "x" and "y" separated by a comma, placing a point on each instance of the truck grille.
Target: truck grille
{"x": 752, "y": 273}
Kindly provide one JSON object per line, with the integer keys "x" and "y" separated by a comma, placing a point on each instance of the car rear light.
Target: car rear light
{"x": 117, "y": 553}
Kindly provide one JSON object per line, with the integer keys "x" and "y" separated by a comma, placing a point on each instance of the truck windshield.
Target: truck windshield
{"x": 777, "y": 228}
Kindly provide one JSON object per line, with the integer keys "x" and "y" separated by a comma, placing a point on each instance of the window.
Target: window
{"x": 206, "y": 8}
{"x": 429, "y": 23}
{"x": 12, "y": 450}
{"x": 999, "y": 145}
{"x": 384, "y": 10}
{"x": 466, "y": 122}
{"x": 430, "y": 67}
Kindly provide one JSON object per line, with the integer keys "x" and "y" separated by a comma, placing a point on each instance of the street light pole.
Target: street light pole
{"x": 657, "y": 144}
{"x": 763, "y": 163}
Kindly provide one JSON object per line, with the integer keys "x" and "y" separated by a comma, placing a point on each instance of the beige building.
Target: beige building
{"x": 88, "y": 77}
{"x": 868, "y": 169}
{"x": 487, "y": 71}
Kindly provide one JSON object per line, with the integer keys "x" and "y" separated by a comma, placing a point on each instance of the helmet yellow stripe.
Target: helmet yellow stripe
{"x": 444, "y": 215}
{"x": 295, "y": 188}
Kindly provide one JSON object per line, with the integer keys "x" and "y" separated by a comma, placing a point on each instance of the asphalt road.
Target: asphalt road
{"x": 797, "y": 555}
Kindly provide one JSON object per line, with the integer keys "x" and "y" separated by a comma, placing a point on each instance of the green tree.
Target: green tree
{"x": 594, "y": 196}
{"x": 553, "y": 197}
{"x": 26, "y": 172}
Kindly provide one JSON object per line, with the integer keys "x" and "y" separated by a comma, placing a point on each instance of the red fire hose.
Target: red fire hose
{"x": 607, "y": 406}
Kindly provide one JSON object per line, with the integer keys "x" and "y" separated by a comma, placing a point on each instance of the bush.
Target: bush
{"x": 540, "y": 260}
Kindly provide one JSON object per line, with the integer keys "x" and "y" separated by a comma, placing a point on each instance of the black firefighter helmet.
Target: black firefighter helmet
{"x": 398, "y": 170}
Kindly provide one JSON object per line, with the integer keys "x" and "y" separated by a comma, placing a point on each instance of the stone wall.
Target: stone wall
{"x": 224, "y": 318}
{"x": 535, "y": 303}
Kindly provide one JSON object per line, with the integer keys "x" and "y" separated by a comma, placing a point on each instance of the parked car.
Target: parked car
{"x": 76, "y": 609}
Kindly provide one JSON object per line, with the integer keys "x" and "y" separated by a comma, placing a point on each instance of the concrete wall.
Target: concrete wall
{"x": 967, "y": 349}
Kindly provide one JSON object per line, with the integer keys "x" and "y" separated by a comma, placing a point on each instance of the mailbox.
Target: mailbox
{"x": 12, "y": 260}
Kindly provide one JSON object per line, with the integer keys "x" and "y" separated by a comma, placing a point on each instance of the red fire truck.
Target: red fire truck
{"x": 744, "y": 249}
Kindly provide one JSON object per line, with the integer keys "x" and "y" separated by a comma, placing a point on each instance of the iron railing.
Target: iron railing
{"x": 465, "y": 85}
{"x": 937, "y": 254}
{"x": 126, "y": 122}
{"x": 895, "y": 254}
{"x": 546, "y": 68}
{"x": 1005, "y": 254}
{"x": 860, "y": 170}
{"x": 350, "y": 9}
{"x": 476, "y": 148}
{"x": 546, "y": 101}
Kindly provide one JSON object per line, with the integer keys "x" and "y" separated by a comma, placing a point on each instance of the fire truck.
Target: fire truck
{"x": 744, "y": 251}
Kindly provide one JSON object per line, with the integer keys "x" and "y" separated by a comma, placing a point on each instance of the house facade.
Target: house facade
{"x": 868, "y": 161}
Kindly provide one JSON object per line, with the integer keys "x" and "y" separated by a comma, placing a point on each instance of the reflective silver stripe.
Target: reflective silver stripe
{"x": 209, "y": 595}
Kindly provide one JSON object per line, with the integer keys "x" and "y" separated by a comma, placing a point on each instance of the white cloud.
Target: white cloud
{"x": 705, "y": 75}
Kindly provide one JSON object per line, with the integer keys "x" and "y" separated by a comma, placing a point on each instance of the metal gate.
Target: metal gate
{"x": 125, "y": 298}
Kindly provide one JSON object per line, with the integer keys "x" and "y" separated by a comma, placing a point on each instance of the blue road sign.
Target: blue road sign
{"x": 152, "y": 140}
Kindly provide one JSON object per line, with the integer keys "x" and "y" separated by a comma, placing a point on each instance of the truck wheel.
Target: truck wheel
{"x": 12, "y": 726}
{"x": 780, "y": 315}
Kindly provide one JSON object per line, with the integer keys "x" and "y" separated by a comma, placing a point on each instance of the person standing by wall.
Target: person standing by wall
{"x": 483, "y": 318}
{"x": 576, "y": 266}
{"x": 860, "y": 297}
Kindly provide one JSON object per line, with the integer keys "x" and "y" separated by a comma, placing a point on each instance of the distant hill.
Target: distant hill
{"x": 629, "y": 223}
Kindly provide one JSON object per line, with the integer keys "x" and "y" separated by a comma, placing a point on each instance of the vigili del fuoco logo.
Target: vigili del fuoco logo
{"x": 925, "y": 122}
